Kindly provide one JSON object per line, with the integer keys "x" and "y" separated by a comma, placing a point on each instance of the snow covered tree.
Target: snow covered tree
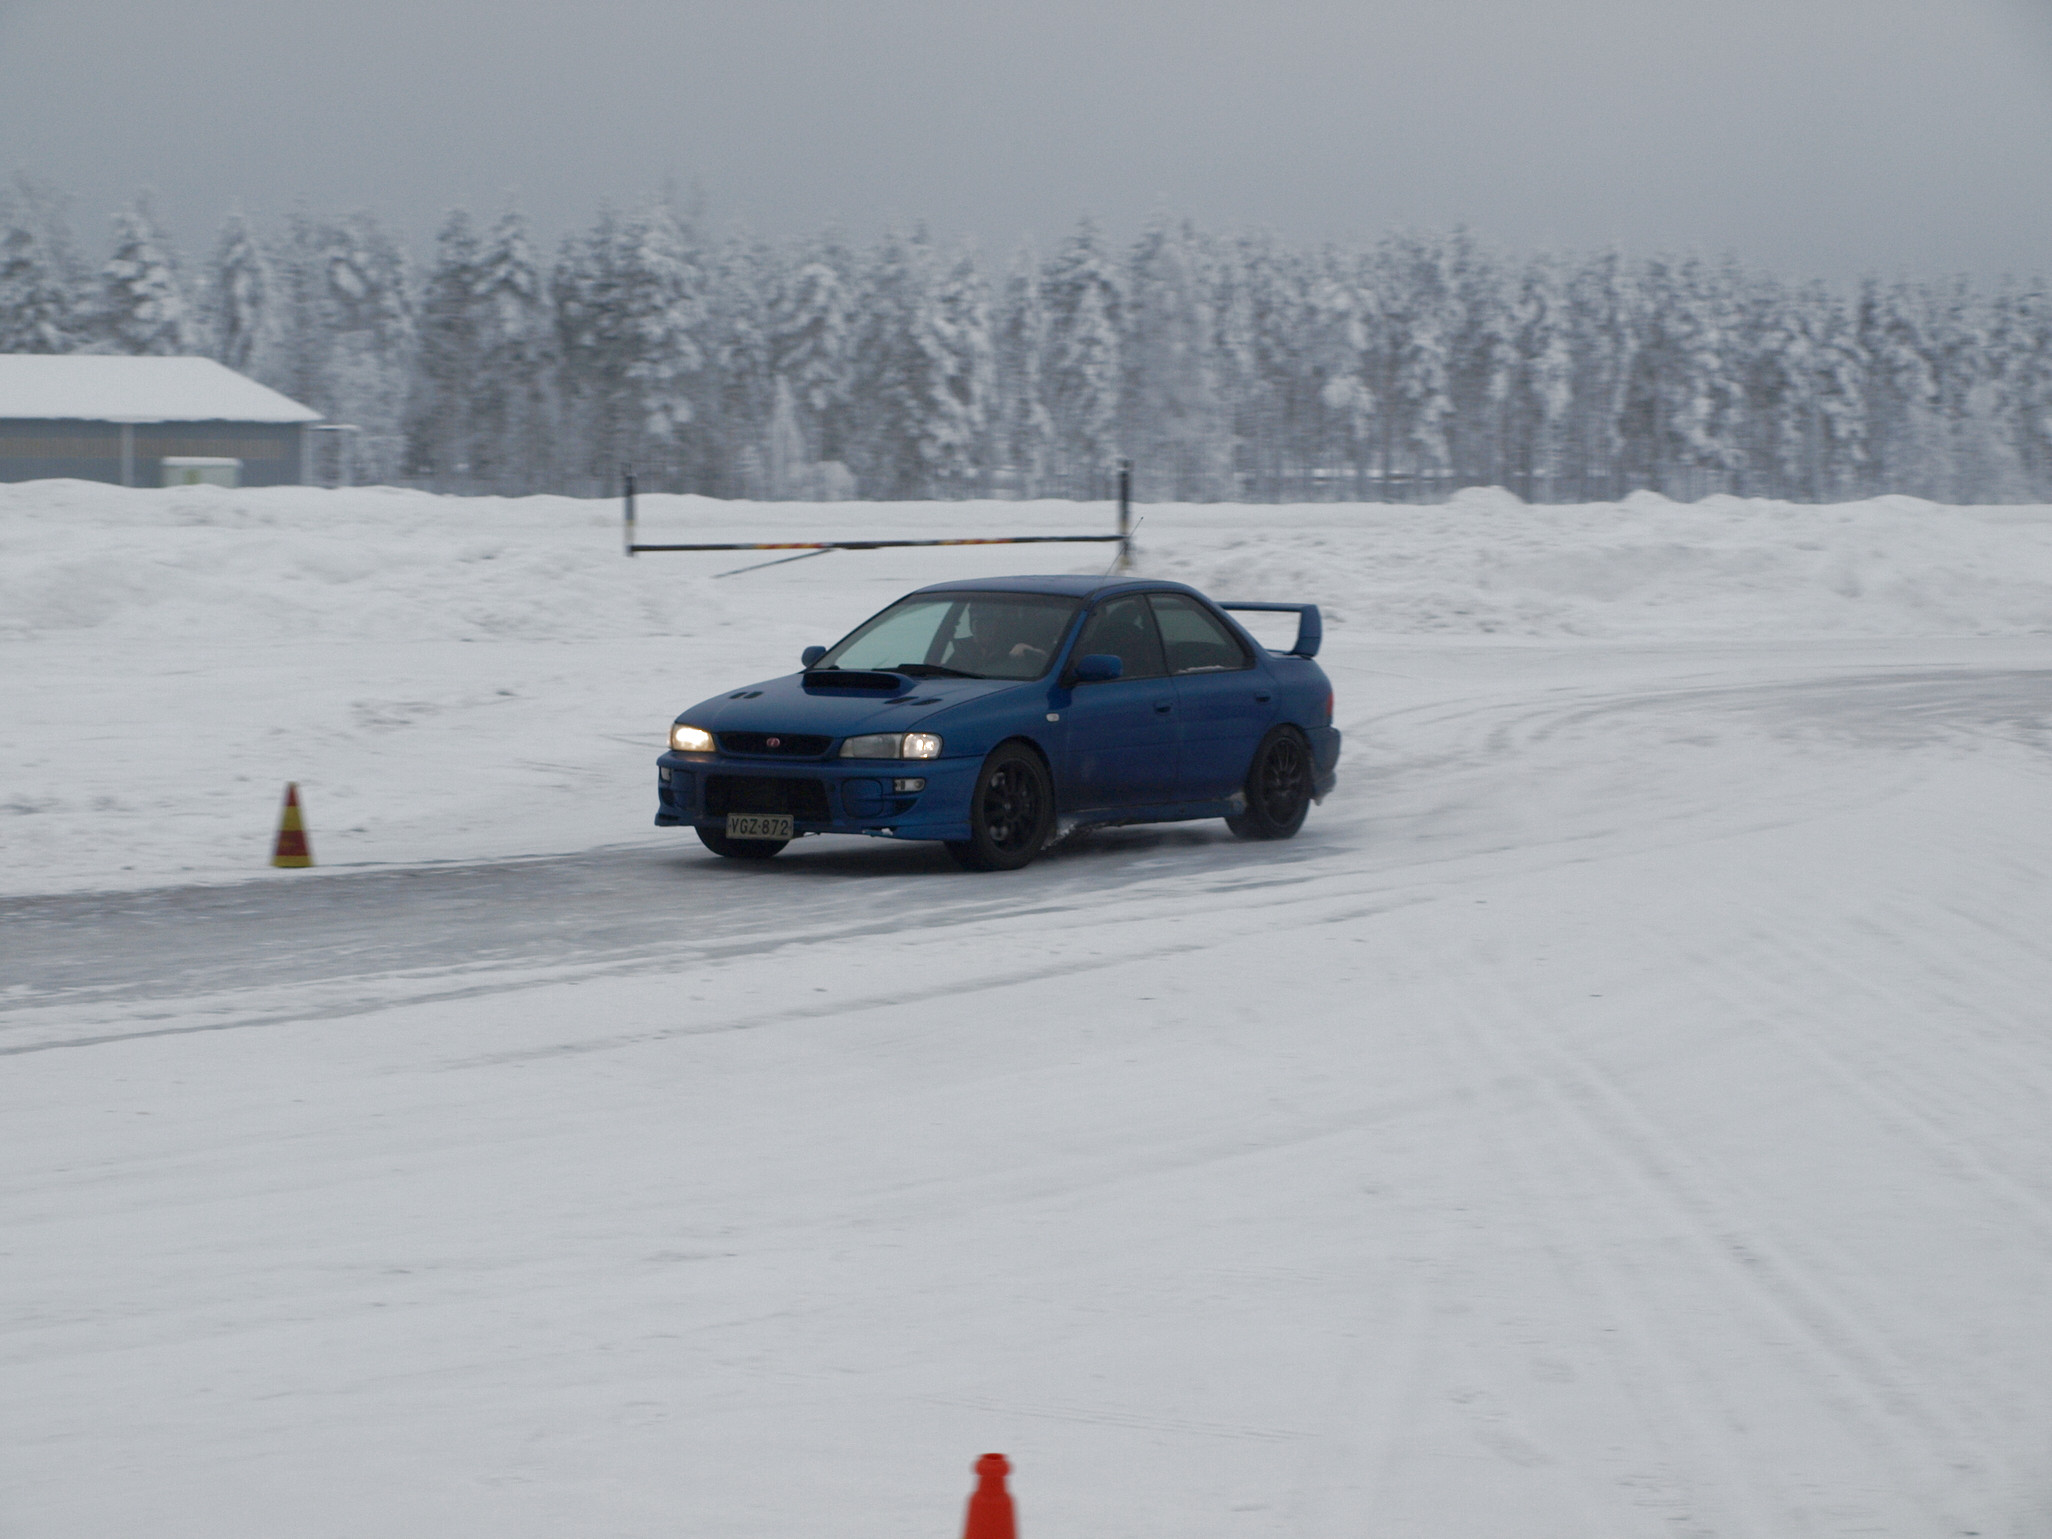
{"x": 1686, "y": 410}
{"x": 512, "y": 410}
{"x": 1970, "y": 354}
{"x": 913, "y": 432}
{"x": 659, "y": 286}
{"x": 588, "y": 348}
{"x": 1025, "y": 431}
{"x": 1784, "y": 377}
{"x": 1244, "y": 395}
{"x": 38, "y": 308}
{"x": 1083, "y": 368}
{"x": 1218, "y": 364}
{"x": 810, "y": 330}
{"x": 1604, "y": 303}
{"x": 302, "y": 320}
{"x": 786, "y": 464}
{"x": 2027, "y": 324}
{"x": 440, "y": 414}
{"x": 242, "y": 303}
{"x": 739, "y": 391}
{"x": 960, "y": 453}
{"x": 630, "y": 299}
{"x": 1335, "y": 355}
{"x": 1913, "y": 449}
{"x": 44, "y": 283}
{"x": 1480, "y": 364}
{"x": 1541, "y": 392}
{"x": 143, "y": 307}
{"x": 1175, "y": 425}
{"x": 367, "y": 302}
{"x": 1420, "y": 313}
{"x": 1281, "y": 413}
{"x": 1841, "y": 395}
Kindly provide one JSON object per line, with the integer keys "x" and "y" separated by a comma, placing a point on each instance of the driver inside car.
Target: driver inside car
{"x": 998, "y": 632}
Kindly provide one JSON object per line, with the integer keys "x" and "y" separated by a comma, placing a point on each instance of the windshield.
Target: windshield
{"x": 959, "y": 635}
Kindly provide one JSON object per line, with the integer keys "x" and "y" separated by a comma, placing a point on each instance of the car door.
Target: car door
{"x": 1119, "y": 735}
{"x": 1225, "y": 699}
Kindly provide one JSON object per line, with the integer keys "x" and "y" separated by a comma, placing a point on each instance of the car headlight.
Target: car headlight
{"x": 892, "y": 745}
{"x": 690, "y": 739}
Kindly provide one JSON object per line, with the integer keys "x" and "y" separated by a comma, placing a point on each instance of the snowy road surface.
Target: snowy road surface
{"x": 1624, "y": 1111}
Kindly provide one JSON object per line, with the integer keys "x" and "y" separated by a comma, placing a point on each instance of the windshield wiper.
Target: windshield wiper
{"x": 932, "y": 671}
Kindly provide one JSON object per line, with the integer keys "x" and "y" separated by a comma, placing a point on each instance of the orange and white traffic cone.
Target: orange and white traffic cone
{"x": 990, "y": 1505}
{"x": 292, "y": 849}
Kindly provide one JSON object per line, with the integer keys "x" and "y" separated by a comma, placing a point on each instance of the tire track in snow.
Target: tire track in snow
{"x": 1468, "y": 763}
{"x": 1858, "y": 1372}
{"x": 1707, "y": 1480}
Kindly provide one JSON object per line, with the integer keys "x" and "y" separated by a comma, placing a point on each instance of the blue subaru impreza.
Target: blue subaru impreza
{"x": 992, "y": 715}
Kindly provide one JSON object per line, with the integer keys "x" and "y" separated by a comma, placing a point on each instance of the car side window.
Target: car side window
{"x": 1124, "y": 628}
{"x": 1194, "y": 640}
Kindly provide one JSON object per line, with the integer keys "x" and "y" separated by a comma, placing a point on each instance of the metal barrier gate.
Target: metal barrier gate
{"x": 806, "y": 548}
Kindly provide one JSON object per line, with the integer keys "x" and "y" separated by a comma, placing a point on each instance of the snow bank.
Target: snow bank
{"x": 450, "y": 678}
{"x": 223, "y": 566}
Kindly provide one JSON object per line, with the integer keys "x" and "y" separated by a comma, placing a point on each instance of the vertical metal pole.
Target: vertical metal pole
{"x": 1125, "y": 515}
{"x": 128, "y": 454}
{"x": 627, "y": 507}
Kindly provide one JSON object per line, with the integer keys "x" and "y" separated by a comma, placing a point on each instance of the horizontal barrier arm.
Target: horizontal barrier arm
{"x": 1018, "y": 539}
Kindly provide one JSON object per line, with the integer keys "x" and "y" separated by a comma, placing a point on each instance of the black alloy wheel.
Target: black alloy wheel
{"x": 1011, "y": 811}
{"x": 717, "y": 841}
{"x": 1278, "y": 787}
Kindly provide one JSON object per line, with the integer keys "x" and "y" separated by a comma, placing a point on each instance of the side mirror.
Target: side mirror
{"x": 810, "y": 656}
{"x": 1098, "y": 668}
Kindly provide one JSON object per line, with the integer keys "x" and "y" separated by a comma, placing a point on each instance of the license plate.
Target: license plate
{"x": 760, "y": 825}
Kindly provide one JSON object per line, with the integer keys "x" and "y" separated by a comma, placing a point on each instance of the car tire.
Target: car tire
{"x": 1278, "y": 788}
{"x": 738, "y": 849}
{"x": 1011, "y": 811}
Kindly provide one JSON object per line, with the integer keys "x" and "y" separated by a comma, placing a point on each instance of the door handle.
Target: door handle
{"x": 1264, "y": 697}
{"x": 1163, "y": 707}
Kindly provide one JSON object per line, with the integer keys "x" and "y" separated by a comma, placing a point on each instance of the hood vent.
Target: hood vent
{"x": 852, "y": 681}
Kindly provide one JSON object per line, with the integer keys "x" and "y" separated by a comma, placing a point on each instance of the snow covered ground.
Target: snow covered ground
{"x": 1623, "y": 1111}
{"x": 453, "y": 678}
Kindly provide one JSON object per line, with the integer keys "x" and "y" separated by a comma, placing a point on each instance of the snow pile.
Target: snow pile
{"x": 1648, "y": 568}
{"x": 455, "y": 678}
{"x": 217, "y": 565}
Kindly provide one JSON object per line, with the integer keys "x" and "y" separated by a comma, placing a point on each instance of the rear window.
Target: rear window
{"x": 1193, "y": 637}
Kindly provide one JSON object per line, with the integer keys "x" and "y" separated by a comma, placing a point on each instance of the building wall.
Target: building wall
{"x": 32, "y": 450}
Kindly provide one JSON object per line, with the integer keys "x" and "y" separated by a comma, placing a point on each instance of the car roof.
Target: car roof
{"x": 1067, "y": 587}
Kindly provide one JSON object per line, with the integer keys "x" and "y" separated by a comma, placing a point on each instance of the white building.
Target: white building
{"x": 101, "y": 418}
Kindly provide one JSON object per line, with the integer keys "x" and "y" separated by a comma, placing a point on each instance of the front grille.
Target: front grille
{"x": 792, "y": 745}
{"x": 805, "y": 800}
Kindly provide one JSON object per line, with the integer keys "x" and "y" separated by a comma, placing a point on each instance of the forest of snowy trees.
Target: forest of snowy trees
{"x": 1225, "y": 366}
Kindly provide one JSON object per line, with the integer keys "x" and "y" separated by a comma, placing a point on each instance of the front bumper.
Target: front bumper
{"x": 829, "y": 796}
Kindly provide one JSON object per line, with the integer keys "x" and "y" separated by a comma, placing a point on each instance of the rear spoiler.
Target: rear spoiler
{"x": 1310, "y": 629}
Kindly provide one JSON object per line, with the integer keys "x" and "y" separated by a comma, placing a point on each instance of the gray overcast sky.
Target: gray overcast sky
{"x": 1814, "y": 137}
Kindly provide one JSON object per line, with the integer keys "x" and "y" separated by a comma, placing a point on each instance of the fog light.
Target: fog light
{"x": 908, "y": 783}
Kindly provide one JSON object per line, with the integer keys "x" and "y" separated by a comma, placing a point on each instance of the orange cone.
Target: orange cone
{"x": 990, "y": 1506}
{"x": 292, "y": 849}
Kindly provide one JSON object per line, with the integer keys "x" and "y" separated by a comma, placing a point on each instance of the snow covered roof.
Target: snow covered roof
{"x": 92, "y": 387}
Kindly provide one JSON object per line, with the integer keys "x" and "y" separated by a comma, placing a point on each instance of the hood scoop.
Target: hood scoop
{"x": 854, "y": 681}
